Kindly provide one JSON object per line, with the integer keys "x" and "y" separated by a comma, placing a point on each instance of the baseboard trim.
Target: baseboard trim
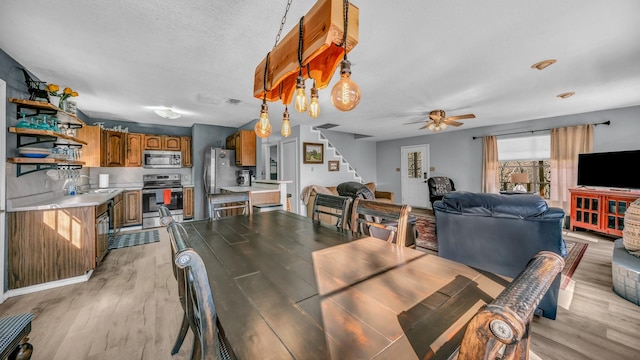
{"x": 49, "y": 285}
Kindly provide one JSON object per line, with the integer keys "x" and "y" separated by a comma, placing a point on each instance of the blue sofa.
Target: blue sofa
{"x": 500, "y": 234}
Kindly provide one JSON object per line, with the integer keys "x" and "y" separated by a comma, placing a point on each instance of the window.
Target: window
{"x": 530, "y": 155}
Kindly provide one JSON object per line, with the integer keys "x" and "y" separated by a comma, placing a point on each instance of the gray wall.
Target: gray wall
{"x": 458, "y": 156}
{"x": 360, "y": 153}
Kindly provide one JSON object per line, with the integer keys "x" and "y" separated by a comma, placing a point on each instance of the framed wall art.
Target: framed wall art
{"x": 313, "y": 153}
{"x": 334, "y": 165}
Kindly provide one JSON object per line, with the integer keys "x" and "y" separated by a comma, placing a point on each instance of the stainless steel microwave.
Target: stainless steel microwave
{"x": 154, "y": 159}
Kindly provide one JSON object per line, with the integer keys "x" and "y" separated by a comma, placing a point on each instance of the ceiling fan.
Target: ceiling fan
{"x": 438, "y": 120}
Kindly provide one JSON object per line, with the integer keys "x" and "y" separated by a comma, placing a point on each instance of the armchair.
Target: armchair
{"x": 438, "y": 187}
{"x": 500, "y": 234}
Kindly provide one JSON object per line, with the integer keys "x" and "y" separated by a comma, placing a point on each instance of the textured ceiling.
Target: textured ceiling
{"x": 126, "y": 57}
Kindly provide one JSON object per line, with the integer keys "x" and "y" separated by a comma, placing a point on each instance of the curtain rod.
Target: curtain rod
{"x": 608, "y": 122}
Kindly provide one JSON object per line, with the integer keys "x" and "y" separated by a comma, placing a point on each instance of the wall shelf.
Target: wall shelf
{"x": 42, "y": 136}
{"x": 48, "y": 109}
{"x": 38, "y": 164}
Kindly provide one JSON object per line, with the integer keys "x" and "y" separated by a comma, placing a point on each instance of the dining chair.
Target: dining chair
{"x": 195, "y": 296}
{"x": 220, "y": 204}
{"x": 331, "y": 206}
{"x": 380, "y": 220}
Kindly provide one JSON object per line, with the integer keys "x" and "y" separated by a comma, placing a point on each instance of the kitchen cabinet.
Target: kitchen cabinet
{"x": 132, "y": 200}
{"x": 161, "y": 142}
{"x": 104, "y": 148}
{"x": 114, "y": 145}
{"x": 187, "y": 203}
{"x": 50, "y": 245}
{"x": 134, "y": 150}
{"x": 600, "y": 210}
{"x": 185, "y": 148}
{"x": 244, "y": 143}
{"x": 101, "y": 232}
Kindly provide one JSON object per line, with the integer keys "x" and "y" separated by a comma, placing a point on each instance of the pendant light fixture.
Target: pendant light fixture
{"x": 286, "y": 123}
{"x": 263, "y": 126}
{"x": 314, "y": 106}
{"x": 301, "y": 103}
{"x": 345, "y": 94}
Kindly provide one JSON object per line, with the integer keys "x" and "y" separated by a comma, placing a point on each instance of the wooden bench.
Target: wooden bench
{"x": 14, "y": 331}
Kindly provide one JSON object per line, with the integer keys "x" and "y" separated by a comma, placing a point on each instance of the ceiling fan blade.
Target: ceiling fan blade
{"x": 452, "y": 123}
{"x": 460, "y": 117}
{"x": 414, "y": 122}
{"x": 426, "y": 125}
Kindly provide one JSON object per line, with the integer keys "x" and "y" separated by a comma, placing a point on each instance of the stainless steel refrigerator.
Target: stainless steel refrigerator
{"x": 220, "y": 170}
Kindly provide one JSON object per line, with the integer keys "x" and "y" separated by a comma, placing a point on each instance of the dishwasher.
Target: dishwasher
{"x": 102, "y": 232}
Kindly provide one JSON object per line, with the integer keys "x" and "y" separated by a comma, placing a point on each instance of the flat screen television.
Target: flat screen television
{"x": 609, "y": 169}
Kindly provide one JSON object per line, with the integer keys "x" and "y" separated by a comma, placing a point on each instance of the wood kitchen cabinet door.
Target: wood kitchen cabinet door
{"x": 187, "y": 202}
{"x": 132, "y": 208}
{"x": 134, "y": 150}
{"x": 170, "y": 143}
{"x": 152, "y": 142}
{"x": 245, "y": 148}
{"x": 114, "y": 146}
{"x": 185, "y": 148}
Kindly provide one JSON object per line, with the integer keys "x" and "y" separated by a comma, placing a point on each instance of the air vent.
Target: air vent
{"x": 360, "y": 136}
{"x": 233, "y": 101}
{"x": 326, "y": 126}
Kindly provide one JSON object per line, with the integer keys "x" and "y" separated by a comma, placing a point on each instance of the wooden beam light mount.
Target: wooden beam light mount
{"x": 323, "y": 36}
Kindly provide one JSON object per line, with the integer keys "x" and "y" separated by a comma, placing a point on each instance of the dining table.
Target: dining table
{"x": 285, "y": 287}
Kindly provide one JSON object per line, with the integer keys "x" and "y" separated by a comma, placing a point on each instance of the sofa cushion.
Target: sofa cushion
{"x": 485, "y": 204}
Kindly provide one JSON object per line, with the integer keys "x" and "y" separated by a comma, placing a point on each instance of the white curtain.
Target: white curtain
{"x": 566, "y": 144}
{"x": 490, "y": 165}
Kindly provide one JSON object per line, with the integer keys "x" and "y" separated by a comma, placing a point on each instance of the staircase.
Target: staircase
{"x": 343, "y": 162}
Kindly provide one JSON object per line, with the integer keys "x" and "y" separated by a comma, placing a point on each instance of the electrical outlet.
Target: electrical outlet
{"x": 398, "y": 169}
{"x": 432, "y": 168}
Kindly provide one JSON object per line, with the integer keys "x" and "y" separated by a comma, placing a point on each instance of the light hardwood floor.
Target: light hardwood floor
{"x": 129, "y": 310}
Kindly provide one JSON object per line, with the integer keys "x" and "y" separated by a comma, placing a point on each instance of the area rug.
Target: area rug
{"x": 575, "y": 251}
{"x": 133, "y": 239}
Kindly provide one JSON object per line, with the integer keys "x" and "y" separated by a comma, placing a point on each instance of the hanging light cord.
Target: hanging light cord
{"x": 264, "y": 78}
{"x": 346, "y": 27}
{"x": 301, "y": 44}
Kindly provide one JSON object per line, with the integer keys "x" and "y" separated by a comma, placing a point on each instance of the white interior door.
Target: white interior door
{"x": 288, "y": 168}
{"x": 415, "y": 172}
{"x": 3, "y": 174}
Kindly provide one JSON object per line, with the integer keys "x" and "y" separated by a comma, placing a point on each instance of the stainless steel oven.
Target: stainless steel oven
{"x": 161, "y": 189}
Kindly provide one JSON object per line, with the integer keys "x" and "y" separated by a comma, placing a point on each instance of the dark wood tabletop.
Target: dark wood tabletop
{"x": 285, "y": 288}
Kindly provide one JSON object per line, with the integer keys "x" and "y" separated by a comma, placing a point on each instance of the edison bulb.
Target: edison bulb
{"x": 286, "y": 128}
{"x": 301, "y": 103}
{"x": 345, "y": 95}
{"x": 286, "y": 123}
{"x": 263, "y": 126}
{"x": 314, "y": 106}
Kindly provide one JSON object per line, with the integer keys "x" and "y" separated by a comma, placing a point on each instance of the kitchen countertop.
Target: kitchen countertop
{"x": 253, "y": 189}
{"x": 60, "y": 202}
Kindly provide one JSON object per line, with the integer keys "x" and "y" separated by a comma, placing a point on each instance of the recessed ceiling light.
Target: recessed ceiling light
{"x": 543, "y": 64}
{"x": 566, "y": 95}
{"x": 167, "y": 113}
